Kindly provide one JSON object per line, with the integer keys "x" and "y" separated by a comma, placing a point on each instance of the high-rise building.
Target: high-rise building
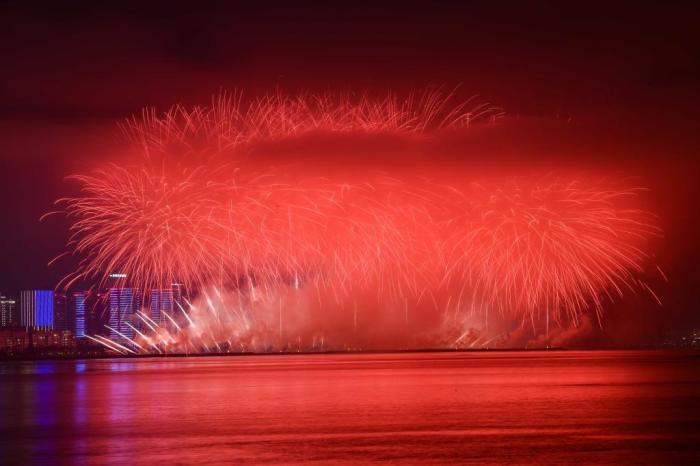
{"x": 162, "y": 300}
{"x": 36, "y": 309}
{"x": 123, "y": 304}
{"x": 8, "y": 311}
{"x": 62, "y": 318}
{"x": 78, "y": 304}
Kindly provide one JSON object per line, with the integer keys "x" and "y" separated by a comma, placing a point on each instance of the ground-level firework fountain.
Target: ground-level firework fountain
{"x": 281, "y": 256}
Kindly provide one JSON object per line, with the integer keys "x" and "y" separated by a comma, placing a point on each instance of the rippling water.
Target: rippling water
{"x": 601, "y": 407}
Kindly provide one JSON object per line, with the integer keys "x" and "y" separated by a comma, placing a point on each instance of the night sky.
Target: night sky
{"x": 615, "y": 83}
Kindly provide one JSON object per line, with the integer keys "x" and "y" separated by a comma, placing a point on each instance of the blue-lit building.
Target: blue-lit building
{"x": 123, "y": 304}
{"x": 78, "y": 306}
{"x": 36, "y": 309}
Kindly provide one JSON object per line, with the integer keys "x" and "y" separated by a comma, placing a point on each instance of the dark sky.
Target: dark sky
{"x": 624, "y": 76}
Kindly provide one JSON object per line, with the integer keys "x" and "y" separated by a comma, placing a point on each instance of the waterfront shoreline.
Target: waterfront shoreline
{"x": 93, "y": 356}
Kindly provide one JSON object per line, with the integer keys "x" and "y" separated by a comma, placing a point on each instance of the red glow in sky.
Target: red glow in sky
{"x": 610, "y": 92}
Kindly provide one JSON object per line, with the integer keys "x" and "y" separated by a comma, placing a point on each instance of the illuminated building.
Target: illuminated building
{"x": 123, "y": 304}
{"x": 36, "y": 309}
{"x": 8, "y": 311}
{"x": 78, "y": 305}
{"x": 162, "y": 300}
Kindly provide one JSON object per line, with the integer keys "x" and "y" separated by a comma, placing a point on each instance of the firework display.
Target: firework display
{"x": 253, "y": 241}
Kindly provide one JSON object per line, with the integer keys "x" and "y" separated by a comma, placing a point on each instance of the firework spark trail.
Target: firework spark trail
{"x": 191, "y": 209}
{"x": 229, "y": 122}
{"x": 533, "y": 245}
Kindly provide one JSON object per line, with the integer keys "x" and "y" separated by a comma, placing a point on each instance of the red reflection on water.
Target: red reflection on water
{"x": 534, "y": 407}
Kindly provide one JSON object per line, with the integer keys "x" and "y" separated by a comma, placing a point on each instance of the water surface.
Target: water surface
{"x": 590, "y": 407}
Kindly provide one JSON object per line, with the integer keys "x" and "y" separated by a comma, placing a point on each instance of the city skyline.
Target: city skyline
{"x": 109, "y": 312}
